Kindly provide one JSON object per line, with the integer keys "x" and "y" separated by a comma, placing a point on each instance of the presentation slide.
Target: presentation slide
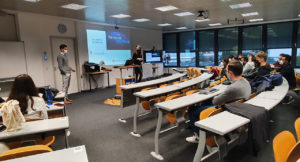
{"x": 112, "y": 47}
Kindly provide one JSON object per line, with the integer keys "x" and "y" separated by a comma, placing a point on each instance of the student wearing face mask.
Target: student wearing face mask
{"x": 279, "y": 62}
{"x": 65, "y": 70}
{"x": 138, "y": 59}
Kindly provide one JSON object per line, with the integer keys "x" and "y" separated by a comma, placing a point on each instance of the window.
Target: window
{"x": 170, "y": 51}
{"x": 187, "y": 49}
{"x": 206, "y": 48}
{"x": 228, "y": 43}
{"x": 298, "y": 47}
{"x": 170, "y": 58}
{"x": 187, "y": 58}
{"x": 252, "y": 40}
{"x": 279, "y": 40}
{"x": 187, "y": 41}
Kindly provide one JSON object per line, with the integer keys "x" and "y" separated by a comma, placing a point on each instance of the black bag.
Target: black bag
{"x": 129, "y": 62}
{"x": 1, "y": 100}
{"x": 91, "y": 67}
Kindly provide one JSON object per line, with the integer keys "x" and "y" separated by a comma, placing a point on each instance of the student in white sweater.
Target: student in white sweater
{"x": 24, "y": 90}
{"x": 249, "y": 65}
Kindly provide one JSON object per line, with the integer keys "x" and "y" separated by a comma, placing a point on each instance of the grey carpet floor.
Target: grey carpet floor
{"x": 95, "y": 125}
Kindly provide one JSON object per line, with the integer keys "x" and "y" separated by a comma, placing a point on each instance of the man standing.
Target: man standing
{"x": 65, "y": 70}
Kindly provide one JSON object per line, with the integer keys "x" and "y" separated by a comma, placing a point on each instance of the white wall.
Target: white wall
{"x": 35, "y": 30}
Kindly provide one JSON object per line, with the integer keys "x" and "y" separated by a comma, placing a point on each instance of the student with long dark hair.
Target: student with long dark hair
{"x": 25, "y": 92}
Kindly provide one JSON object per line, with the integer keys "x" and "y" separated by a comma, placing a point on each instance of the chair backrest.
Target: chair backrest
{"x": 252, "y": 96}
{"x": 164, "y": 85}
{"x": 145, "y": 89}
{"x": 294, "y": 154}
{"x": 218, "y": 82}
{"x": 172, "y": 97}
{"x": 212, "y": 84}
{"x": 205, "y": 113}
{"x": 282, "y": 145}
{"x": 24, "y": 151}
{"x": 297, "y": 128}
{"x": 217, "y": 111}
{"x": 240, "y": 101}
{"x": 176, "y": 82}
{"x": 192, "y": 91}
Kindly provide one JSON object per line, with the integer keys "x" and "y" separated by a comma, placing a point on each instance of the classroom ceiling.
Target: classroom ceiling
{"x": 218, "y": 10}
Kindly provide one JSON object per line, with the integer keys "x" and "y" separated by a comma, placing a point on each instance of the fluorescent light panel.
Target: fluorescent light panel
{"x": 299, "y": 15}
{"x": 165, "y": 24}
{"x": 225, "y": 0}
{"x": 250, "y": 14}
{"x": 241, "y": 5}
{"x": 202, "y": 20}
{"x": 255, "y": 20}
{"x": 120, "y": 16}
{"x": 181, "y": 28}
{"x": 141, "y": 20}
{"x": 215, "y": 24}
{"x": 166, "y": 8}
{"x": 183, "y": 14}
{"x": 34, "y": 1}
{"x": 74, "y": 6}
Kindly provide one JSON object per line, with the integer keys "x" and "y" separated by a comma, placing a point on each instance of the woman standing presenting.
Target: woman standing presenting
{"x": 137, "y": 60}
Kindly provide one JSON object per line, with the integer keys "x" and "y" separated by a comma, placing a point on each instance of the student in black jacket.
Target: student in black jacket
{"x": 137, "y": 60}
{"x": 287, "y": 71}
{"x": 264, "y": 68}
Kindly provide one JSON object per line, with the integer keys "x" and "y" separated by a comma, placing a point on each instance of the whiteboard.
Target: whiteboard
{"x": 12, "y": 59}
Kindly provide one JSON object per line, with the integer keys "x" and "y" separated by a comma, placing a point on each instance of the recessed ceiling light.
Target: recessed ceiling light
{"x": 74, "y": 6}
{"x": 166, "y": 8}
{"x": 250, "y": 14}
{"x": 181, "y": 28}
{"x": 34, "y": 1}
{"x": 120, "y": 16}
{"x": 215, "y": 24}
{"x": 141, "y": 20}
{"x": 254, "y": 20}
{"x": 225, "y": 0}
{"x": 299, "y": 15}
{"x": 202, "y": 20}
{"x": 165, "y": 24}
{"x": 183, "y": 14}
{"x": 241, "y": 5}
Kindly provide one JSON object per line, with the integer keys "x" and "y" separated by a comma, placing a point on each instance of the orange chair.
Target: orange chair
{"x": 212, "y": 84}
{"x": 297, "y": 128}
{"x": 192, "y": 91}
{"x": 282, "y": 145}
{"x": 164, "y": 85}
{"x": 24, "y": 151}
{"x": 176, "y": 82}
{"x": 294, "y": 154}
{"x": 171, "y": 117}
{"x": 252, "y": 96}
{"x": 210, "y": 141}
{"x": 218, "y": 82}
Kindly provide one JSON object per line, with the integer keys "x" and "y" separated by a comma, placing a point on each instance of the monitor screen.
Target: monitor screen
{"x": 153, "y": 56}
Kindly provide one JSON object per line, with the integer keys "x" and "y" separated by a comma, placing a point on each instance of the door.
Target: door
{"x": 55, "y": 43}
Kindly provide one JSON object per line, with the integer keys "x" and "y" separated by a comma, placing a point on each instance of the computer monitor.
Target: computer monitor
{"x": 153, "y": 56}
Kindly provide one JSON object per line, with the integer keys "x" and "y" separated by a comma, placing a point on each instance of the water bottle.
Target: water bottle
{"x": 49, "y": 96}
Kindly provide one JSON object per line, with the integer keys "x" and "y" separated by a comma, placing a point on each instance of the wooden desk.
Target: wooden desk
{"x": 38, "y": 129}
{"x": 74, "y": 154}
{"x": 93, "y": 73}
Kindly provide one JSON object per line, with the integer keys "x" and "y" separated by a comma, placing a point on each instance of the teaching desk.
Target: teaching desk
{"x": 97, "y": 73}
{"x": 163, "y": 91}
{"x": 74, "y": 154}
{"x": 225, "y": 122}
{"x": 37, "y": 129}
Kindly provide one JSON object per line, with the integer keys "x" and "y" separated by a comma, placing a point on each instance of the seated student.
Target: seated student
{"x": 252, "y": 73}
{"x": 248, "y": 63}
{"x": 288, "y": 72}
{"x": 24, "y": 90}
{"x": 239, "y": 89}
{"x": 279, "y": 62}
{"x": 264, "y": 68}
{"x": 225, "y": 62}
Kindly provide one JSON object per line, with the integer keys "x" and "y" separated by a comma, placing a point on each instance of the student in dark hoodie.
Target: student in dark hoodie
{"x": 264, "y": 68}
